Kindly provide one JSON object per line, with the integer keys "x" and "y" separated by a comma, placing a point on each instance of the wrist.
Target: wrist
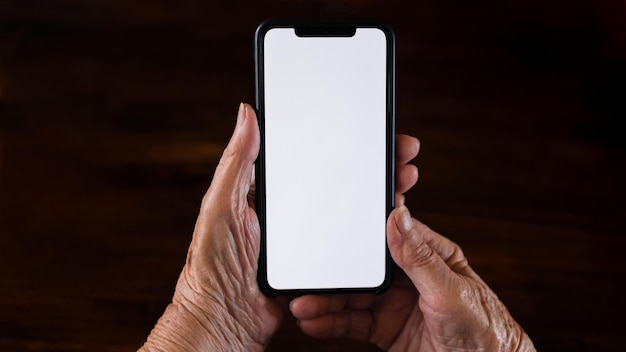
{"x": 525, "y": 344}
{"x": 183, "y": 328}
{"x": 513, "y": 338}
{"x": 199, "y": 320}
{"x": 505, "y": 333}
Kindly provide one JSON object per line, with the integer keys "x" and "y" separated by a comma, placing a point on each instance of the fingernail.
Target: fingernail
{"x": 403, "y": 219}
{"x": 241, "y": 113}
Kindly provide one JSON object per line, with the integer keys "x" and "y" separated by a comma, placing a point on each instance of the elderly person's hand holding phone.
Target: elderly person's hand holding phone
{"x": 436, "y": 302}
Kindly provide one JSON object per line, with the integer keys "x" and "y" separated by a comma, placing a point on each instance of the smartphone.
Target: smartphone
{"x": 325, "y": 100}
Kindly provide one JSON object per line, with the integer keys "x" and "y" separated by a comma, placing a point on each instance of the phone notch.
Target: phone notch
{"x": 325, "y": 31}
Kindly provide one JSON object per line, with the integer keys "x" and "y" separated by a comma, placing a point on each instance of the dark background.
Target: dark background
{"x": 114, "y": 113}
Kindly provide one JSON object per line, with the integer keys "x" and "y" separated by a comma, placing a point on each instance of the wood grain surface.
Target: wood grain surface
{"x": 114, "y": 113}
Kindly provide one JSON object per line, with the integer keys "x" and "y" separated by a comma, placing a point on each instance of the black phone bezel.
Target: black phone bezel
{"x": 322, "y": 27}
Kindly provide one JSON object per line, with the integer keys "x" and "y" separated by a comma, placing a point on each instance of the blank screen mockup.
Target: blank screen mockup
{"x": 325, "y": 159}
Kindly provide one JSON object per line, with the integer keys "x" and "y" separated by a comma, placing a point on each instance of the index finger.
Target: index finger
{"x": 407, "y": 148}
{"x": 313, "y": 306}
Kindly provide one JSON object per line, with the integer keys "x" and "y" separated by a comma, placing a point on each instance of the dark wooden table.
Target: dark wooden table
{"x": 114, "y": 113}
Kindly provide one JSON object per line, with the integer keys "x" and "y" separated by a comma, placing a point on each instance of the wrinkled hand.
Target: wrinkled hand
{"x": 438, "y": 303}
{"x": 217, "y": 305}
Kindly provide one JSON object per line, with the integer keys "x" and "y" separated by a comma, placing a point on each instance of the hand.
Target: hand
{"x": 217, "y": 305}
{"x": 407, "y": 148}
{"x": 438, "y": 303}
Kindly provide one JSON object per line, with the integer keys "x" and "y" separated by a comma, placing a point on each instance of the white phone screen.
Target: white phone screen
{"x": 325, "y": 113}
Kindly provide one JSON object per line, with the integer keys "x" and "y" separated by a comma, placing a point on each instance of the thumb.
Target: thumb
{"x": 410, "y": 249}
{"x": 233, "y": 175}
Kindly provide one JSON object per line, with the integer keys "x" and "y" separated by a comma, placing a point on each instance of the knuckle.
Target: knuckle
{"x": 457, "y": 261}
{"x": 419, "y": 254}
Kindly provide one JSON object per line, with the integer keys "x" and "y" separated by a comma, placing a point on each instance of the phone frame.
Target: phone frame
{"x": 322, "y": 28}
